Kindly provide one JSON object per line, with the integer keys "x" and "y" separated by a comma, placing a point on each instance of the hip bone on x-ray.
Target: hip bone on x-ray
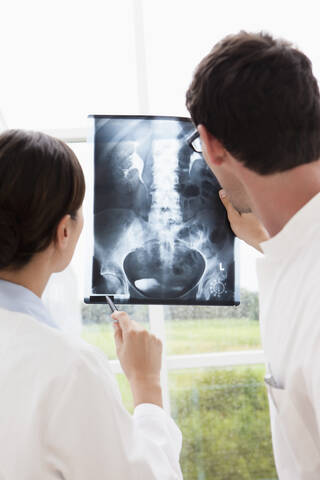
{"x": 161, "y": 234}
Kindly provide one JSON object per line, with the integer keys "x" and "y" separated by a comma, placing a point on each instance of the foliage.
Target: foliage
{"x": 189, "y": 336}
{"x": 224, "y": 419}
{"x": 223, "y": 415}
{"x": 100, "y": 314}
{"x": 211, "y": 335}
{"x": 249, "y": 304}
{"x": 248, "y": 308}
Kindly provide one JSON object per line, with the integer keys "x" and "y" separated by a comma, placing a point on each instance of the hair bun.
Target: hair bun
{"x": 9, "y": 237}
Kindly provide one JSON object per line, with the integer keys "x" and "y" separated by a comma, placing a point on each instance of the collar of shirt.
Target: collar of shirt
{"x": 295, "y": 231}
{"x": 17, "y": 298}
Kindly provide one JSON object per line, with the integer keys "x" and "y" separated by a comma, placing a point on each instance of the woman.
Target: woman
{"x": 60, "y": 410}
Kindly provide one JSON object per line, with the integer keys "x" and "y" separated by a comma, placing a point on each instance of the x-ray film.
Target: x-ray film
{"x": 160, "y": 233}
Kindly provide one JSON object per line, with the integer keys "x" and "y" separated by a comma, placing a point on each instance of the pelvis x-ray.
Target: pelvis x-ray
{"x": 161, "y": 234}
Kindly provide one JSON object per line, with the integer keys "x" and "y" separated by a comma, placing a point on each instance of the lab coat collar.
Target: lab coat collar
{"x": 16, "y": 298}
{"x": 293, "y": 234}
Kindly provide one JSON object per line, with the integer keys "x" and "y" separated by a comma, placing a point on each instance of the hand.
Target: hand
{"x": 245, "y": 226}
{"x": 140, "y": 354}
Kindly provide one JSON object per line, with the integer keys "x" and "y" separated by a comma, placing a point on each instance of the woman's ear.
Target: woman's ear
{"x": 63, "y": 232}
{"x": 213, "y": 150}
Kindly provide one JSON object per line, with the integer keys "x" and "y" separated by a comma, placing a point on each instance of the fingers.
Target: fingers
{"x": 124, "y": 320}
{"x": 117, "y": 335}
{"x": 123, "y": 325}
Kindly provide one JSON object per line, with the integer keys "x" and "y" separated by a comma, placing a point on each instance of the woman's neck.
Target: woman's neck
{"x": 34, "y": 276}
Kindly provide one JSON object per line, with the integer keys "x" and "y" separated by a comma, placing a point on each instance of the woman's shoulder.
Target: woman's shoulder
{"x": 47, "y": 349}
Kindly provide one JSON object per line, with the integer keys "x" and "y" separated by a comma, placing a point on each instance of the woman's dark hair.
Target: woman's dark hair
{"x": 41, "y": 180}
{"x": 258, "y": 96}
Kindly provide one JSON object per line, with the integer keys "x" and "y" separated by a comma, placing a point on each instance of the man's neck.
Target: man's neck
{"x": 278, "y": 197}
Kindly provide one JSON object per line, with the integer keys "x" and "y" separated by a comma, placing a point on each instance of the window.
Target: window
{"x": 65, "y": 60}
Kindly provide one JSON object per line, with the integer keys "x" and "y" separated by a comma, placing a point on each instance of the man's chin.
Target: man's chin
{"x": 241, "y": 208}
{"x": 239, "y": 201}
{"x": 244, "y": 210}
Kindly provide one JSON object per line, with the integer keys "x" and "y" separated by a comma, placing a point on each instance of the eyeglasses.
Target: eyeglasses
{"x": 195, "y": 143}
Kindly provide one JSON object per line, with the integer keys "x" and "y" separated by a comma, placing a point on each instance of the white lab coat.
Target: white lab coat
{"x": 289, "y": 280}
{"x": 61, "y": 415}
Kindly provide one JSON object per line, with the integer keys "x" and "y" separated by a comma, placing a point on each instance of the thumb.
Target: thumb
{"x": 231, "y": 211}
{"x": 224, "y": 197}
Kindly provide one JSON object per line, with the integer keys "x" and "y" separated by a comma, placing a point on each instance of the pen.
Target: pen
{"x": 111, "y": 304}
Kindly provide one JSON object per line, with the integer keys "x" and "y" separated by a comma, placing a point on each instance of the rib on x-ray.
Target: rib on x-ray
{"x": 161, "y": 234}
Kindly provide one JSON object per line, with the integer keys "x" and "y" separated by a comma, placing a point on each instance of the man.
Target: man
{"x": 256, "y": 106}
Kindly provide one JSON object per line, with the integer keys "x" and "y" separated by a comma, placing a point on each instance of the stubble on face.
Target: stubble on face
{"x": 234, "y": 190}
{"x": 238, "y": 200}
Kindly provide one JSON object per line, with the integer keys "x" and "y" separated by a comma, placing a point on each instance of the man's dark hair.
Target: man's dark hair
{"x": 257, "y": 95}
{"x": 41, "y": 180}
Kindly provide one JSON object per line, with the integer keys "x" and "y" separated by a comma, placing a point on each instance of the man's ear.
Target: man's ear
{"x": 214, "y": 151}
{"x": 63, "y": 232}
